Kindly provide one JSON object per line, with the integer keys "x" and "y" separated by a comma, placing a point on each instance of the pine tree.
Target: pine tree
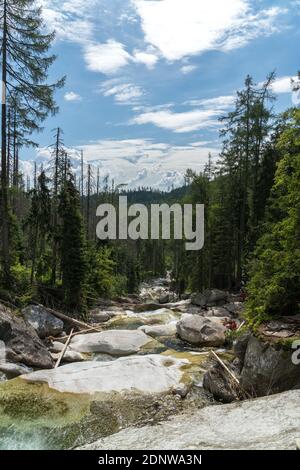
{"x": 245, "y": 134}
{"x": 25, "y": 65}
{"x": 39, "y": 222}
{"x": 72, "y": 248}
{"x": 275, "y": 275}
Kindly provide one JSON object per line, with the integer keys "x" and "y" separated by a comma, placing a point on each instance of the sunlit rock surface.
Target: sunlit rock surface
{"x": 265, "y": 423}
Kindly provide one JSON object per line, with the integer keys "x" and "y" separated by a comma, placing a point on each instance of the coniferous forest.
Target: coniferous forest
{"x": 50, "y": 256}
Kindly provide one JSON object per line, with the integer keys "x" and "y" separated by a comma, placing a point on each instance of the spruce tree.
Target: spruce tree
{"x": 275, "y": 275}
{"x": 39, "y": 222}
{"x": 25, "y": 63}
{"x": 72, "y": 248}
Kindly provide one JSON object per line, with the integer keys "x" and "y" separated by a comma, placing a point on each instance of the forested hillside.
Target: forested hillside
{"x": 49, "y": 249}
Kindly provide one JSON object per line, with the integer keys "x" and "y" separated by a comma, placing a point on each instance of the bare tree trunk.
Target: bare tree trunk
{"x": 4, "y": 189}
{"x": 55, "y": 208}
{"x": 88, "y": 207}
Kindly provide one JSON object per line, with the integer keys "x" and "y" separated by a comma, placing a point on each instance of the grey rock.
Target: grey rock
{"x": 44, "y": 323}
{"x": 240, "y": 346}
{"x": 100, "y": 316}
{"x": 185, "y": 296}
{"x": 217, "y": 312}
{"x": 56, "y": 347}
{"x": 216, "y": 381}
{"x": 235, "y": 308}
{"x": 3, "y": 377}
{"x": 268, "y": 369}
{"x": 13, "y": 370}
{"x": 143, "y": 374}
{"x": 113, "y": 342}
{"x": 22, "y": 342}
{"x": 159, "y": 330}
{"x": 164, "y": 298}
{"x": 69, "y": 356}
{"x": 210, "y": 298}
{"x": 270, "y": 423}
{"x": 201, "y": 331}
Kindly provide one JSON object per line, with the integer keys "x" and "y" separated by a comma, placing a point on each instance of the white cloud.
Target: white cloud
{"x": 123, "y": 93}
{"x": 180, "y": 122}
{"x": 134, "y": 162}
{"x": 205, "y": 117}
{"x": 144, "y": 162}
{"x": 182, "y": 28}
{"x": 185, "y": 69}
{"x": 72, "y": 20}
{"x": 220, "y": 102}
{"x": 106, "y": 58}
{"x": 202, "y": 143}
{"x": 72, "y": 96}
{"x": 283, "y": 85}
{"x": 147, "y": 58}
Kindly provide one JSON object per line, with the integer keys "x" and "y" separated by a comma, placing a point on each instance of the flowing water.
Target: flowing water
{"x": 68, "y": 432}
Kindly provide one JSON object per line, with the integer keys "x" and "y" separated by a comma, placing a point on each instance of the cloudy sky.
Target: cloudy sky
{"x": 148, "y": 79}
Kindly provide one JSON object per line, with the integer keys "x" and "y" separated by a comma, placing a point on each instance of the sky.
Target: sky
{"x": 147, "y": 80}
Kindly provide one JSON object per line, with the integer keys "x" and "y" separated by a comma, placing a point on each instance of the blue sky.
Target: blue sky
{"x": 148, "y": 79}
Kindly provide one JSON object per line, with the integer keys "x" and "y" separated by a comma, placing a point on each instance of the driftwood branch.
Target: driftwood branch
{"x": 241, "y": 326}
{"x": 72, "y": 321}
{"x": 236, "y": 380}
{"x": 64, "y": 350}
{"x": 81, "y": 332}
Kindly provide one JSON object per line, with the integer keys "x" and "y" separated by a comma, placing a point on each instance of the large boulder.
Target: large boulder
{"x": 22, "y": 344}
{"x": 44, "y": 323}
{"x": 113, "y": 342}
{"x": 270, "y": 423}
{"x": 268, "y": 369}
{"x": 210, "y": 298}
{"x": 201, "y": 331}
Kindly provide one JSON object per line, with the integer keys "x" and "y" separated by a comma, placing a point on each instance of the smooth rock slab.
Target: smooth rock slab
{"x": 145, "y": 374}
{"x": 266, "y": 423}
{"x": 113, "y": 342}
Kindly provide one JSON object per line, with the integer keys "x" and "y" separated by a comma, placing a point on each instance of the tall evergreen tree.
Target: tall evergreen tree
{"x": 39, "y": 221}
{"x": 24, "y": 62}
{"x": 72, "y": 248}
{"x": 275, "y": 275}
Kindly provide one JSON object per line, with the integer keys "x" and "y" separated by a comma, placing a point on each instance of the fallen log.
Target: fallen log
{"x": 65, "y": 318}
{"x": 81, "y": 332}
